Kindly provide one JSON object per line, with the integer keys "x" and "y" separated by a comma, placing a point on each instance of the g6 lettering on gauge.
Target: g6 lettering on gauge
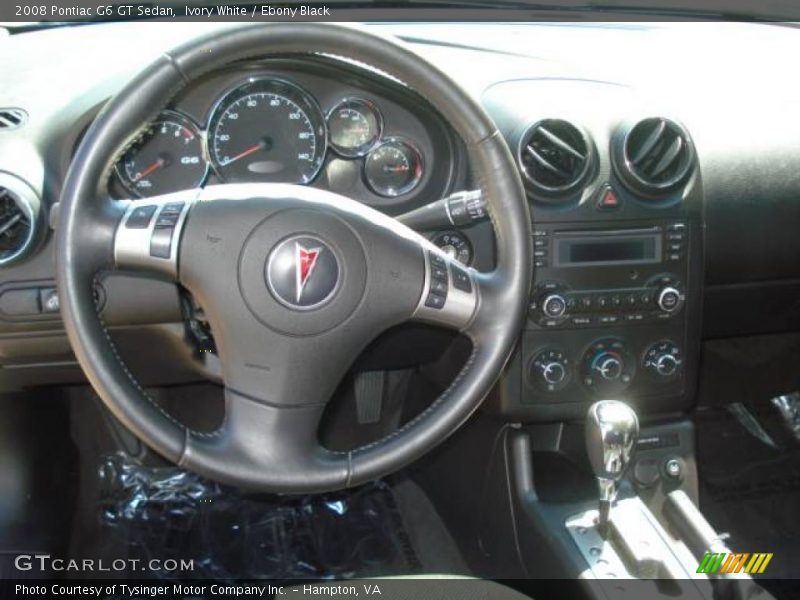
{"x": 167, "y": 157}
{"x": 267, "y": 130}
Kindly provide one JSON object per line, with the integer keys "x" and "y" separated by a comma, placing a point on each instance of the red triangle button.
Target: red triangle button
{"x": 608, "y": 200}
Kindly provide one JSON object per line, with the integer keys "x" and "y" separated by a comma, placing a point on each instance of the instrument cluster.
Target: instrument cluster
{"x": 270, "y": 129}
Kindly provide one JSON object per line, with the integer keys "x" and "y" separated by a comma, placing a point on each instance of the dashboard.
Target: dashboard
{"x": 660, "y": 218}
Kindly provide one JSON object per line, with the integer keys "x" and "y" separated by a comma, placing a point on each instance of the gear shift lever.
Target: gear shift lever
{"x": 611, "y": 432}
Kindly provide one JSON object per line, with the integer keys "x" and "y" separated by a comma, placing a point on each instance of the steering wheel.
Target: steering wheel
{"x": 295, "y": 281}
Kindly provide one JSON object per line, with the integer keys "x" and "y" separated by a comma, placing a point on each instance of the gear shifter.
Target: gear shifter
{"x": 611, "y": 432}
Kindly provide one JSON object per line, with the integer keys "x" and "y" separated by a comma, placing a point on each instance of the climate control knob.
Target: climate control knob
{"x": 663, "y": 359}
{"x": 669, "y": 299}
{"x": 549, "y": 369}
{"x": 607, "y": 366}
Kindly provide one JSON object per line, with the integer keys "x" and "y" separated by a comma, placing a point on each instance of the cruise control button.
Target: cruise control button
{"x": 436, "y": 260}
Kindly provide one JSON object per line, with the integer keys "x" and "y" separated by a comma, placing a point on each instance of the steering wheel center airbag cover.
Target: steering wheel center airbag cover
{"x": 305, "y": 283}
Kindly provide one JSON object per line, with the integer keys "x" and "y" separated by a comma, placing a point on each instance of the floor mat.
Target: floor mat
{"x": 168, "y": 513}
{"x": 749, "y": 488}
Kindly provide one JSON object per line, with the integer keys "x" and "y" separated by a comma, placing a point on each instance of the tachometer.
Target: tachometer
{"x": 354, "y": 126}
{"x": 267, "y": 130}
{"x": 167, "y": 157}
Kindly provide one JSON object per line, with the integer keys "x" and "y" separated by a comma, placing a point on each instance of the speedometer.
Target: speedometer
{"x": 267, "y": 130}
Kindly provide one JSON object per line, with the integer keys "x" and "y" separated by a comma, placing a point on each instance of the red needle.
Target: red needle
{"x": 154, "y": 167}
{"x": 247, "y": 152}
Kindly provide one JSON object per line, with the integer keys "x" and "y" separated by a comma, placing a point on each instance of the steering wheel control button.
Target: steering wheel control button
{"x": 437, "y": 290}
{"x": 435, "y": 300}
{"x": 549, "y": 369}
{"x": 302, "y": 272}
{"x": 140, "y": 217}
{"x": 461, "y": 279}
{"x": 161, "y": 242}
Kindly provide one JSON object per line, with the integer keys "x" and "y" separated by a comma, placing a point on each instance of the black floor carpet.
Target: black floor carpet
{"x": 750, "y": 489}
{"x": 165, "y": 513}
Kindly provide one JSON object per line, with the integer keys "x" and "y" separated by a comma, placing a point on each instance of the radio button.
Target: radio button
{"x": 601, "y": 301}
{"x": 616, "y": 300}
{"x": 608, "y": 319}
{"x": 539, "y": 262}
{"x": 582, "y": 321}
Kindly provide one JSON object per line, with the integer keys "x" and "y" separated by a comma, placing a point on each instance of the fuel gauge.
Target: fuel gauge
{"x": 393, "y": 168}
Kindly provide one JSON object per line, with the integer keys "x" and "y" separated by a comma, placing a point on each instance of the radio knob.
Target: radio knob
{"x": 554, "y": 306}
{"x": 669, "y": 299}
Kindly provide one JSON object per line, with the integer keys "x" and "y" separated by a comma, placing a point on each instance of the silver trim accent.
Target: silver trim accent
{"x": 563, "y": 305}
{"x": 29, "y": 203}
{"x": 638, "y": 547}
{"x": 132, "y": 246}
{"x": 412, "y": 185}
{"x": 670, "y": 290}
{"x": 460, "y": 307}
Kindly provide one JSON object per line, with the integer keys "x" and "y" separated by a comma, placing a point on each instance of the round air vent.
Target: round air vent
{"x": 555, "y": 157}
{"x": 19, "y": 218}
{"x": 655, "y": 156}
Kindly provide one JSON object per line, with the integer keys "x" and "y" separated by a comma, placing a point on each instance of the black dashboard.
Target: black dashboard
{"x": 665, "y": 195}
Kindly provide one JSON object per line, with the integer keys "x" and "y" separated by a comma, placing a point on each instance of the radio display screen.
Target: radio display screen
{"x": 608, "y": 250}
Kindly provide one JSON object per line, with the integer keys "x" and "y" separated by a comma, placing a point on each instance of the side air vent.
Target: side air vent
{"x": 555, "y": 157}
{"x": 655, "y": 156}
{"x": 19, "y": 219}
{"x": 11, "y": 118}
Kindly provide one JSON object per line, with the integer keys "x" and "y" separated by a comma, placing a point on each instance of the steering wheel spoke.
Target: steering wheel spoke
{"x": 149, "y": 233}
{"x": 450, "y": 293}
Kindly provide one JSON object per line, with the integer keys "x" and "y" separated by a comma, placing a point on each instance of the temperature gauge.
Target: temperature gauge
{"x": 354, "y": 126}
{"x": 168, "y": 157}
{"x": 393, "y": 168}
{"x": 455, "y": 245}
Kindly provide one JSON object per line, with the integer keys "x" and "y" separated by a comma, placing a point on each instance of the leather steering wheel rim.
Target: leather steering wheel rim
{"x": 243, "y": 455}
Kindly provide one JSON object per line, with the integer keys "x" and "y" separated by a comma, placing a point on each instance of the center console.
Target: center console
{"x": 616, "y": 204}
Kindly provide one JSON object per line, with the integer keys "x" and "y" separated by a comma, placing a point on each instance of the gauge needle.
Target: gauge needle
{"x": 9, "y": 224}
{"x": 152, "y": 168}
{"x": 395, "y": 169}
{"x": 246, "y": 152}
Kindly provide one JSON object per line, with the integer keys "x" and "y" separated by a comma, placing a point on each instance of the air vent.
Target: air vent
{"x": 655, "y": 156}
{"x": 11, "y": 118}
{"x": 19, "y": 218}
{"x": 555, "y": 157}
